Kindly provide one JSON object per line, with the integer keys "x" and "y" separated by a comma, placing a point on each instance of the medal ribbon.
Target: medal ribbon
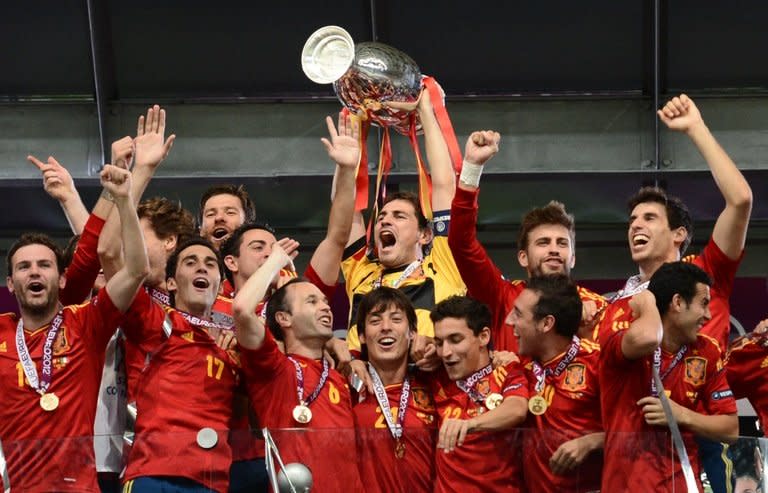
{"x": 159, "y": 296}
{"x": 406, "y": 273}
{"x": 195, "y": 320}
{"x": 39, "y": 385}
{"x": 672, "y": 365}
{"x": 381, "y": 397}
{"x": 541, "y": 373}
{"x": 300, "y": 382}
{"x": 631, "y": 288}
{"x": 468, "y": 385}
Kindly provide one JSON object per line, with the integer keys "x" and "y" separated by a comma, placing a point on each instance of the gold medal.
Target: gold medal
{"x": 302, "y": 414}
{"x": 493, "y": 401}
{"x": 49, "y": 401}
{"x": 399, "y": 449}
{"x": 537, "y": 405}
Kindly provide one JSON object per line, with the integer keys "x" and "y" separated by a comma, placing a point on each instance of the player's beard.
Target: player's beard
{"x": 38, "y": 306}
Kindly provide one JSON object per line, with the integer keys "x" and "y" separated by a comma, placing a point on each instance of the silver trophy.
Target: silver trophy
{"x": 293, "y": 477}
{"x": 364, "y": 75}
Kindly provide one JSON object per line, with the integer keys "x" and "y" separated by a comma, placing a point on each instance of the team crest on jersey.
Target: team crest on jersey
{"x": 422, "y": 400}
{"x": 695, "y": 370}
{"x": 61, "y": 345}
{"x": 575, "y": 377}
{"x": 60, "y": 363}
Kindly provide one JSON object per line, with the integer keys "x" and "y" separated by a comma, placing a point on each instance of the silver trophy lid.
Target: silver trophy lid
{"x": 294, "y": 475}
{"x": 327, "y": 54}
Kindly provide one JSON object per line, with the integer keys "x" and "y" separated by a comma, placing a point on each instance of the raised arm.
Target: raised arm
{"x": 125, "y": 283}
{"x": 58, "y": 183}
{"x": 730, "y": 231}
{"x": 644, "y": 333}
{"x": 150, "y": 148}
{"x": 344, "y": 149}
{"x": 250, "y": 327}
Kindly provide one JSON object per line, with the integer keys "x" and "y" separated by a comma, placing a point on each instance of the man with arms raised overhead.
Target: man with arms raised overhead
{"x": 663, "y": 340}
{"x": 402, "y": 234}
{"x": 478, "y": 407}
{"x": 545, "y": 246}
{"x": 50, "y": 381}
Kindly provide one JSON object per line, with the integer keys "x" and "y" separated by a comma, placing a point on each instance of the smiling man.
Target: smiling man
{"x": 412, "y": 253}
{"x": 50, "y": 376}
{"x": 546, "y": 245}
{"x": 478, "y": 407}
{"x": 297, "y": 389}
{"x": 562, "y": 445}
{"x": 663, "y": 337}
{"x": 184, "y": 395}
{"x": 396, "y": 422}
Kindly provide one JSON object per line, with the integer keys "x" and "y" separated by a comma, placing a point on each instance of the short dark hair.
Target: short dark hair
{"x": 69, "y": 251}
{"x": 238, "y": 191}
{"x": 34, "y": 239}
{"x": 413, "y": 199}
{"x": 676, "y": 278}
{"x": 279, "y": 302}
{"x": 167, "y": 218}
{"x": 678, "y": 215}
{"x": 559, "y": 297}
{"x": 476, "y": 314}
{"x": 232, "y": 244}
{"x": 173, "y": 260}
{"x": 552, "y": 213}
{"x": 380, "y": 299}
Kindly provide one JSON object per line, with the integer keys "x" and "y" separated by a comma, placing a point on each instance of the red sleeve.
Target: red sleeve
{"x": 263, "y": 365}
{"x": 610, "y": 350}
{"x": 484, "y": 280}
{"x": 143, "y": 324}
{"x": 717, "y": 398}
{"x": 515, "y": 383}
{"x": 742, "y": 366}
{"x": 720, "y": 268}
{"x": 84, "y": 268}
{"x": 315, "y": 279}
{"x": 99, "y": 320}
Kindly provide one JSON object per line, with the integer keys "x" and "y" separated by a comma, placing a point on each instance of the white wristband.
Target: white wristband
{"x": 470, "y": 174}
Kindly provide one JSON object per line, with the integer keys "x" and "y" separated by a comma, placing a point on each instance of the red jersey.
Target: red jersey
{"x": 189, "y": 384}
{"x": 82, "y": 271}
{"x": 326, "y": 443}
{"x": 638, "y": 456}
{"x": 745, "y": 368}
{"x": 722, "y": 271}
{"x": 484, "y": 280}
{"x": 381, "y": 469}
{"x": 486, "y": 461}
{"x": 53, "y": 451}
{"x": 573, "y": 410}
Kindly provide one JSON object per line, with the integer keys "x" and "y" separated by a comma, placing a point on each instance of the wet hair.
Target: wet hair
{"x": 476, "y": 314}
{"x": 34, "y": 239}
{"x": 279, "y": 302}
{"x": 552, "y": 213}
{"x": 678, "y": 215}
{"x": 676, "y": 278}
{"x": 238, "y": 191}
{"x": 173, "y": 260}
{"x": 167, "y": 218}
{"x": 559, "y": 297}
{"x": 411, "y": 198}
{"x": 232, "y": 245}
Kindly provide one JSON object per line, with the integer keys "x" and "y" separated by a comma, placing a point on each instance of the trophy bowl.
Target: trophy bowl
{"x": 364, "y": 75}
{"x": 380, "y": 73}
